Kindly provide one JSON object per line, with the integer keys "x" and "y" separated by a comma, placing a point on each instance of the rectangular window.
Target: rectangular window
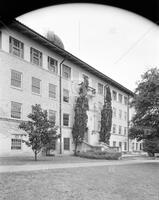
{"x": 52, "y": 90}
{"x": 16, "y": 47}
{"x": 67, "y": 144}
{"x": 36, "y": 85}
{"x": 66, "y": 72}
{"x": 125, "y": 130}
{"x": 114, "y": 95}
{"x": 114, "y": 112}
{"x": 120, "y": 130}
{"x": 52, "y": 116}
{"x": 120, "y": 114}
{"x": 65, "y": 95}
{"x": 125, "y": 116}
{"x": 114, "y": 128}
{"x": 16, "y": 79}
{"x": 100, "y": 88}
{"x": 125, "y": 100}
{"x": 16, "y": 110}
{"x": 66, "y": 119}
{"x": 53, "y": 65}
{"x": 35, "y": 56}
{"x": 16, "y": 144}
{"x": 125, "y": 146}
{"x": 120, "y": 97}
{"x": 114, "y": 144}
{"x": 120, "y": 144}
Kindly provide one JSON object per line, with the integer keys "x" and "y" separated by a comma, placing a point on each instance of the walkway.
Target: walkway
{"x": 28, "y": 167}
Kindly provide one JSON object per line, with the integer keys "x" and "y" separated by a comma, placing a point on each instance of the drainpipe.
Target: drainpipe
{"x": 60, "y": 103}
{"x": 128, "y": 122}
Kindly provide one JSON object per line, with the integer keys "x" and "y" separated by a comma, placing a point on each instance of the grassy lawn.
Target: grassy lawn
{"x": 126, "y": 182}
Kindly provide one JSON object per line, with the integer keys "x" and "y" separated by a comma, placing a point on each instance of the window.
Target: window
{"x": 136, "y": 146}
{"x": 125, "y": 116}
{"x": 120, "y": 96}
{"x": 120, "y": 114}
{"x": 114, "y": 144}
{"x": 52, "y": 65}
{"x": 16, "y": 79}
{"x": 120, "y": 130}
{"x": 16, "y": 110}
{"x": 52, "y": 116}
{"x": 65, "y": 95}
{"x": 100, "y": 88}
{"x": 125, "y": 130}
{"x": 125, "y": 146}
{"x": 66, "y": 143}
{"x": 133, "y": 146}
{"x": 36, "y": 85}
{"x": 52, "y": 90}
{"x": 114, "y": 112}
{"x": 16, "y": 47}
{"x": 114, "y": 95}
{"x": 66, "y": 72}
{"x": 114, "y": 128}
{"x": 66, "y": 119}
{"x": 125, "y": 100}
{"x": 120, "y": 144}
{"x": 16, "y": 144}
{"x": 35, "y": 56}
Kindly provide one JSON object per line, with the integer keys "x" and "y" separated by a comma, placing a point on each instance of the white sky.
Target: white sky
{"x": 118, "y": 43}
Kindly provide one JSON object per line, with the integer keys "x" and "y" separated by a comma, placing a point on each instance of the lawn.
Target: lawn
{"x": 118, "y": 182}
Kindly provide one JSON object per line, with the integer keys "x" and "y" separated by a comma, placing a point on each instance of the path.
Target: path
{"x": 28, "y": 167}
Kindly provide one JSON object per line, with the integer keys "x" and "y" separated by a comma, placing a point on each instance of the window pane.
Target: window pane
{"x": 66, "y": 72}
{"x": 52, "y": 65}
{"x": 120, "y": 98}
{"x": 16, "y": 144}
{"x": 114, "y": 95}
{"x": 65, "y": 119}
{"x": 100, "y": 88}
{"x": 65, "y": 95}
{"x": 36, "y": 56}
{"x": 66, "y": 143}
{"x": 52, "y": 115}
{"x": 36, "y": 85}
{"x": 16, "y": 110}
{"x": 52, "y": 90}
{"x": 16, "y": 47}
{"x": 16, "y": 78}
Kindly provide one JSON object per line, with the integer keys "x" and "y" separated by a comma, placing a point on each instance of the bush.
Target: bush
{"x": 100, "y": 155}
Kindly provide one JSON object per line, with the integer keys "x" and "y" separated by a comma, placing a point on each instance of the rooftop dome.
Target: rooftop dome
{"x": 55, "y": 39}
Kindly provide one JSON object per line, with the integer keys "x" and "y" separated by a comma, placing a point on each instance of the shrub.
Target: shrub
{"x": 100, "y": 155}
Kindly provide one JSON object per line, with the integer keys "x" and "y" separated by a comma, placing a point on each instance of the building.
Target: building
{"x": 33, "y": 70}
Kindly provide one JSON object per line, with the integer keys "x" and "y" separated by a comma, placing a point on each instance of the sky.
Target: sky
{"x": 119, "y": 43}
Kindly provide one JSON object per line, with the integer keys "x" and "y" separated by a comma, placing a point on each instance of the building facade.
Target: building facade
{"x": 33, "y": 70}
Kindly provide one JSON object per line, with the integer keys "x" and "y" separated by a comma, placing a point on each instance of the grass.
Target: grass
{"x": 126, "y": 182}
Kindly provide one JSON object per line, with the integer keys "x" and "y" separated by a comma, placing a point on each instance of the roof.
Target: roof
{"x": 65, "y": 54}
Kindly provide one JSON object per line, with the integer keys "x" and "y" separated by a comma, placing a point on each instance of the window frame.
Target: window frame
{"x": 13, "y": 111}
{"x": 64, "y": 71}
{"x": 52, "y": 66}
{"x": 120, "y": 98}
{"x": 100, "y": 89}
{"x": 13, "y": 48}
{"x": 114, "y": 95}
{"x": 36, "y": 59}
{"x": 66, "y": 146}
{"x": 66, "y": 96}
{"x": 120, "y": 130}
{"x": 52, "y": 94}
{"x": 16, "y": 144}
{"x": 20, "y": 73}
{"x": 33, "y": 86}
{"x": 53, "y": 112}
{"x": 64, "y": 120}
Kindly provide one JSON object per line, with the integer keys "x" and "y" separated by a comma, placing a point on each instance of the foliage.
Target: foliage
{"x": 106, "y": 118}
{"x": 146, "y": 104}
{"x": 41, "y": 131}
{"x": 100, "y": 155}
{"x": 80, "y": 118}
{"x": 151, "y": 146}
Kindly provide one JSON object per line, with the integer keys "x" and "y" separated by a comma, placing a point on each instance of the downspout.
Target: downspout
{"x": 60, "y": 104}
{"x": 128, "y": 121}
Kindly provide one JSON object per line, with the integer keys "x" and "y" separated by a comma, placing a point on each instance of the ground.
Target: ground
{"x": 138, "y": 181}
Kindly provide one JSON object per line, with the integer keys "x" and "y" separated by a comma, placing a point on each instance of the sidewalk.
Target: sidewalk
{"x": 29, "y": 167}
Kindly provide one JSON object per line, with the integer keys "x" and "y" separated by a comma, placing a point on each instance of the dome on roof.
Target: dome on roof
{"x": 55, "y": 39}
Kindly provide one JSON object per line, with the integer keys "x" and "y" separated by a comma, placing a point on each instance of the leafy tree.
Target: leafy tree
{"x": 80, "y": 118}
{"x": 106, "y": 118}
{"x": 145, "y": 122}
{"x": 41, "y": 131}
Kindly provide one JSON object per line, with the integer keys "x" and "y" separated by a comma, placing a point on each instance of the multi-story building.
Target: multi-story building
{"x": 34, "y": 70}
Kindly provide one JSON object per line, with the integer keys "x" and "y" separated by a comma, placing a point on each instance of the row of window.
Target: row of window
{"x": 16, "y": 144}
{"x": 121, "y": 98}
{"x": 16, "y": 81}
{"x": 16, "y": 111}
{"x": 121, "y": 113}
{"x": 36, "y": 57}
{"x": 120, "y": 145}
{"x": 121, "y": 130}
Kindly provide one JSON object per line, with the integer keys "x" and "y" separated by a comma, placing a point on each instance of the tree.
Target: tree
{"x": 80, "y": 118}
{"x": 106, "y": 117}
{"x": 41, "y": 131}
{"x": 145, "y": 122}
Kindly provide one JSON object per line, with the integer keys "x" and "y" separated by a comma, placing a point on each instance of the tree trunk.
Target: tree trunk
{"x": 35, "y": 155}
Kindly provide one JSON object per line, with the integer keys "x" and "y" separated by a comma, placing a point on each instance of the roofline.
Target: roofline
{"x": 36, "y": 36}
